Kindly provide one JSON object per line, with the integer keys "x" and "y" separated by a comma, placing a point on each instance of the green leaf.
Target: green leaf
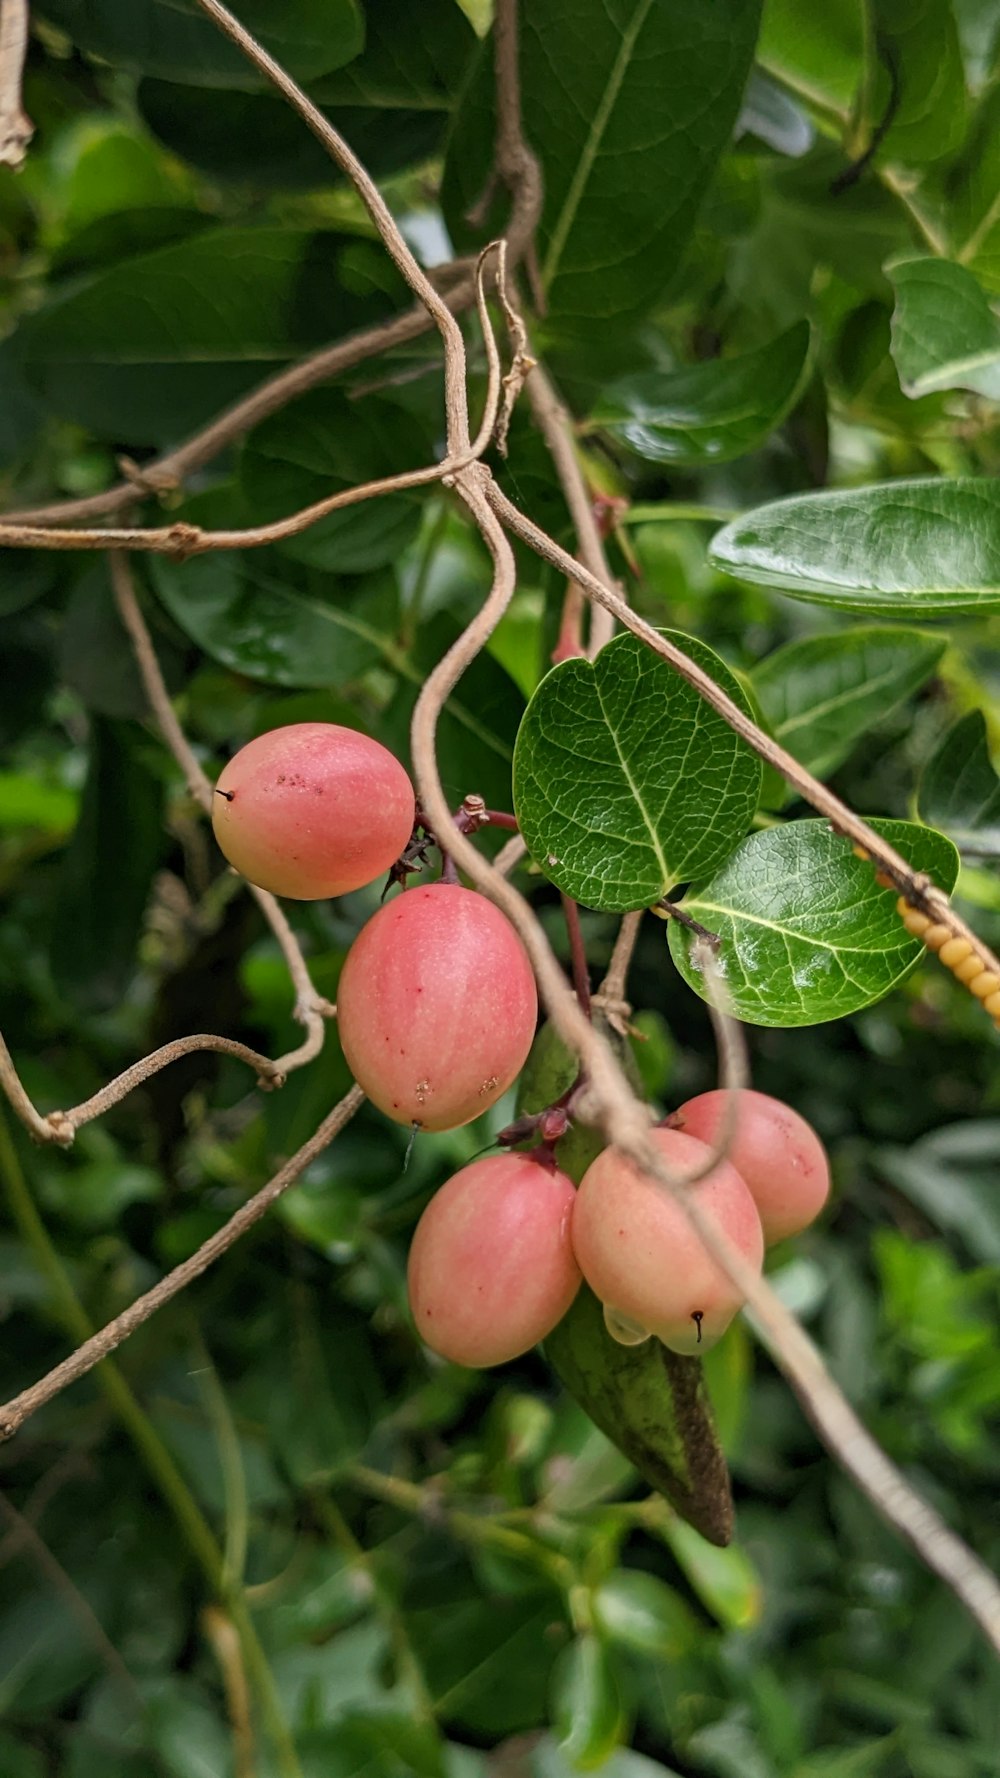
{"x": 652, "y": 1404}
{"x": 586, "y": 1705}
{"x": 27, "y": 802}
{"x": 974, "y": 192}
{"x": 321, "y": 445}
{"x": 959, "y": 788}
{"x": 920, "y": 40}
{"x": 488, "y": 1661}
{"x": 626, "y": 782}
{"x": 710, "y": 412}
{"x": 816, "y": 53}
{"x": 951, "y": 1176}
{"x": 822, "y": 694}
{"x": 806, "y": 933}
{"x": 628, "y": 104}
{"x": 944, "y": 333}
{"x": 927, "y": 547}
{"x": 149, "y": 349}
{"x": 107, "y": 872}
{"x": 278, "y": 621}
{"x": 642, "y": 1612}
{"x": 546, "y": 1760}
{"x": 172, "y": 39}
{"x": 726, "y": 1580}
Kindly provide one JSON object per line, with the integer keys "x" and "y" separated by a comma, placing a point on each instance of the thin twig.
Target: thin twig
{"x": 224, "y": 1638}
{"x": 577, "y": 952}
{"x": 14, "y": 1413}
{"x": 610, "y": 998}
{"x": 456, "y": 404}
{"x": 918, "y": 889}
{"x": 311, "y": 1009}
{"x": 625, "y": 1124}
{"x": 16, "y": 127}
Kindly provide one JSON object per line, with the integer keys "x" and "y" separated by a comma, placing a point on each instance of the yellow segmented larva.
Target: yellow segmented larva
{"x": 956, "y": 952}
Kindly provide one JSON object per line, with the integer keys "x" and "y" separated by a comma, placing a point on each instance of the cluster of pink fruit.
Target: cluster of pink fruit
{"x": 436, "y": 1010}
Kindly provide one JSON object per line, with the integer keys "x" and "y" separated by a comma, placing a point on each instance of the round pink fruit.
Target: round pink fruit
{"x": 313, "y": 810}
{"x": 491, "y": 1267}
{"x": 641, "y": 1256}
{"x": 436, "y": 1006}
{"x": 779, "y": 1155}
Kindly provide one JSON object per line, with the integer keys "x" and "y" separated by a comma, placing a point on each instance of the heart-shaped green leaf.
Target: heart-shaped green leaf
{"x": 709, "y": 412}
{"x": 626, "y": 782}
{"x": 960, "y": 790}
{"x": 822, "y": 694}
{"x": 805, "y": 932}
{"x": 927, "y": 547}
{"x": 945, "y": 335}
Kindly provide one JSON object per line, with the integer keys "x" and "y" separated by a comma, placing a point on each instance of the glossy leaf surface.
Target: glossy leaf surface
{"x": 625, "y": 779}
{"x": 960, "y": 789}
{"x": 929, "y": 547}
{"x": 806, "y": 934}
{"x": 944, "y": 333}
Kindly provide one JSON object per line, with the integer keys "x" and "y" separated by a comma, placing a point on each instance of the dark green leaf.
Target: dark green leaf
{"x": 652, "y": 1404}
{"x": 806, "y": 933}
{"x": 586, "y": 1705}
{"x": 974, "y": 193}
{"x": 960, "y": 790}
{"x": 919, "y": 40}
{"x": 928, "y": 547}
{"x": 487, "y": 1661}
{"x": 172, "y": 39}
{"x": 95, "y": 656}
{"x": 710, "y": 412}
{"x": 320, "y": 445}
{"x": 822, "y": 694}
{"x": 951, "y": 1175}
{"x": 258, "y": 140}
{"x": 107, "y": 872}
{"x": 276, "y": 620}
{"x": 628, "y": 104}
{"x": 625, "y": 780}
{"x": 944, "y": 333}
{"x": 150, "y": 348}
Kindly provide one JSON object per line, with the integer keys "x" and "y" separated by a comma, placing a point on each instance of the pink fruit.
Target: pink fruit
{"x": 642, "y": 1258}
{"x": 779, "y": 1155}
{"x": 313, "y": 810}
{"x": 436, "y": 1006}
{"x": 491, "y": 1267}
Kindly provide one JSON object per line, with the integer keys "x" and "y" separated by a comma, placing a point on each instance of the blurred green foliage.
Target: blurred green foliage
{"x": 276, "y": 1493}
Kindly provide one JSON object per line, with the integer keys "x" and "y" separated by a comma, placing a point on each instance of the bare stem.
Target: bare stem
{"x": 456, "y": 404}
{"x": 14, "y": 1413}
{"x": 578, "y": 953}
{"x": 311, "y": 1009}
{"x": 16, "y": 128}
{"x": 610, "y": 998}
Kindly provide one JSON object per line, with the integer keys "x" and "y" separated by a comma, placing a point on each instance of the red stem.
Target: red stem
{"x": 578, "y": 953}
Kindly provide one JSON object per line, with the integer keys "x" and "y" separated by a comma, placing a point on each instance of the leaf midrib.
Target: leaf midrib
{"x": 584, "y": 167}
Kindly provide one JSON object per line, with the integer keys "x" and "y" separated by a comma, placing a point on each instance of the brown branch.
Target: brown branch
{"x": 311, "y": 1009}
{"x": 918, "y": 890}
{"x": 578, "y": 953}
{"x": 610, "y": 997}
{"x": 456, "y": 404}
{"x": 166, "y": 474}
{"x": 36, "y": 1125}
{"x": 625, "y": 1122}
{"x": 556, "y": 427}
{"x": 16, "y": 127}
{"x": 100, "y": 1345}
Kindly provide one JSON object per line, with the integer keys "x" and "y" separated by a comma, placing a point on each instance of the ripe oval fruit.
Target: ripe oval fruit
{"x": 436, "y": 1006}
{"x": 642, "y": 1258}
{"x": 313, "y": 810}
{"x": 779, "y": 1155}
{"x": 491, "y": 1266}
